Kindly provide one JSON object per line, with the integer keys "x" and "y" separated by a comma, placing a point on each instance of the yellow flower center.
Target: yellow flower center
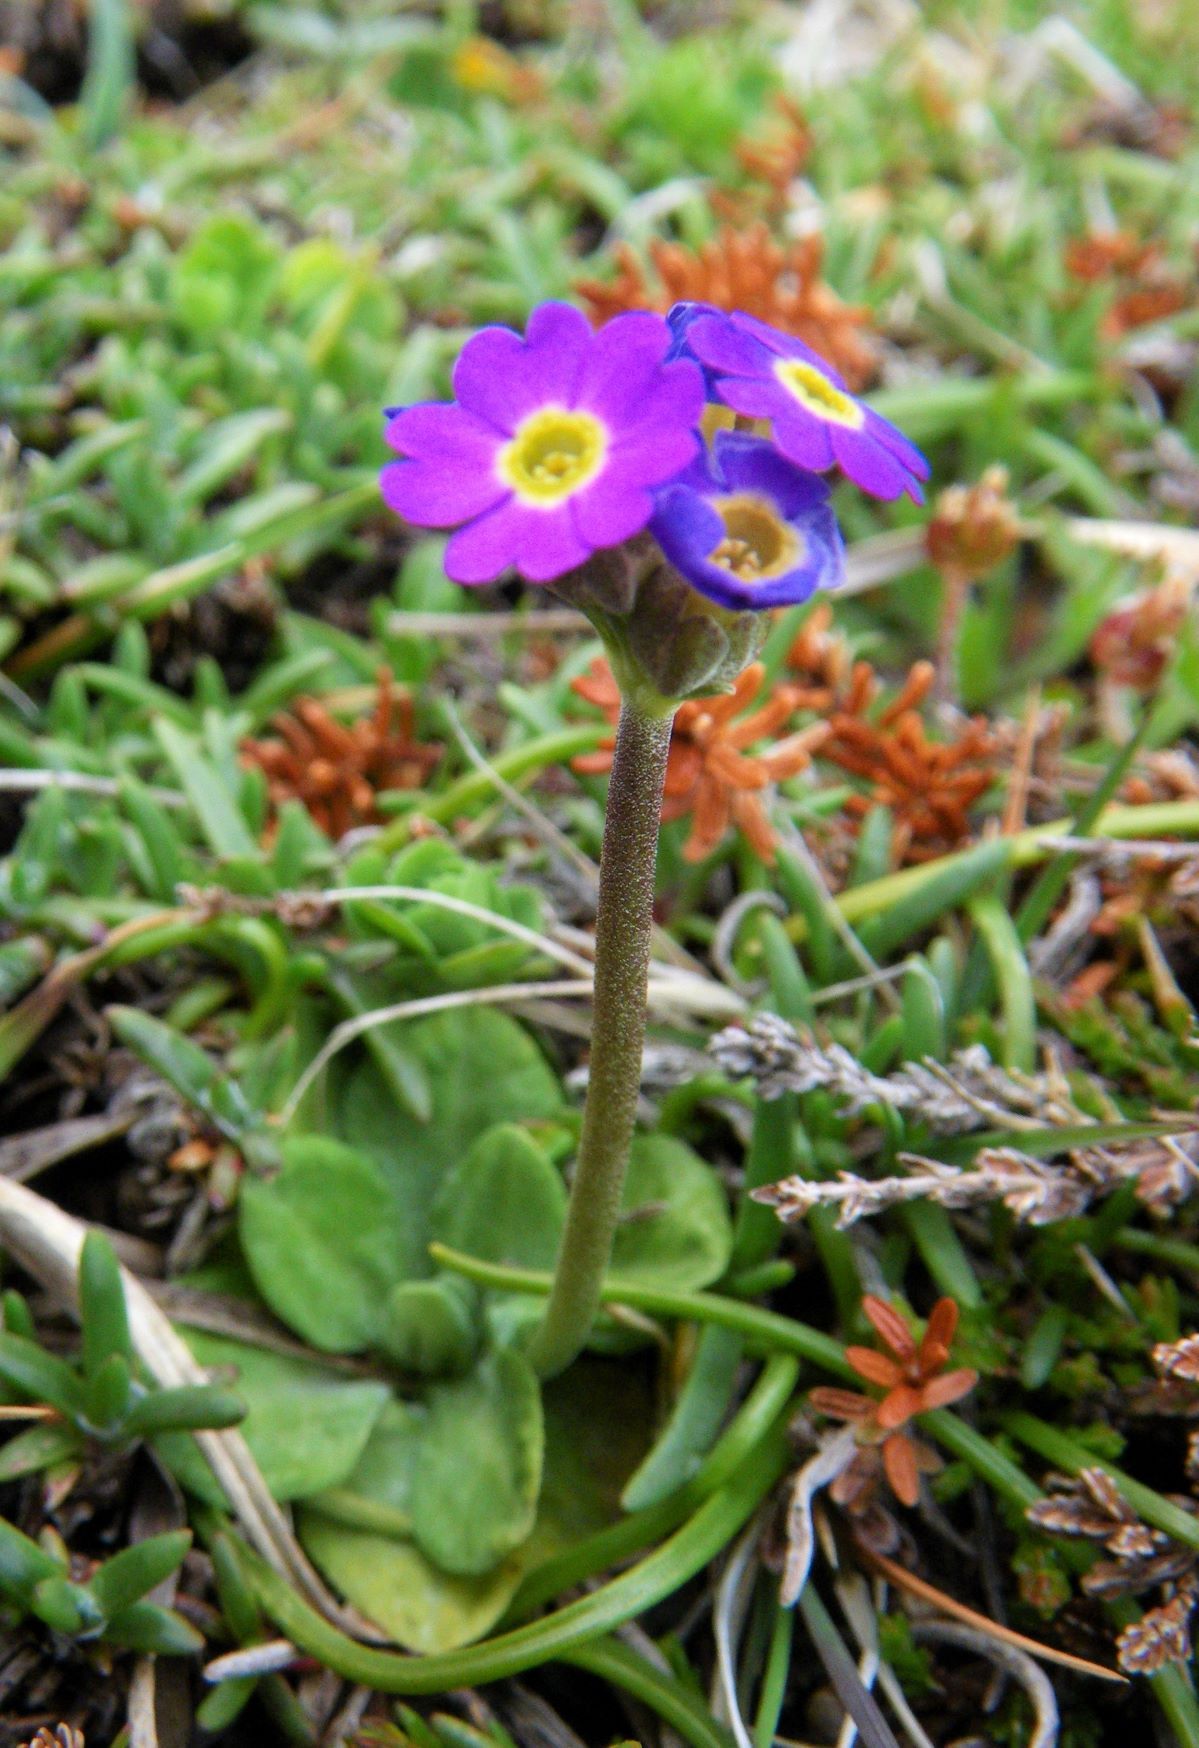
{"x": 554, "y": 453}
{"x": 758, "y": 545}
{"x": 813, "y": 390}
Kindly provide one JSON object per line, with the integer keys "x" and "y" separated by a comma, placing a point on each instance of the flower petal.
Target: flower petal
{"x": 869, "y": 465}
{"x": 613, "y": 509}
{"x": 654, "y": 454}
{"x": 904, "y": 451}
{"x": 431, "y": 495}
{"x": 748, "y": 464}
{"x": 890, "y": 1326}
{"x": 785, "y": 345}
{"x": 441, "y": 430}
{"x": 624, "y": 362}
{"x": 722, "y": 347}
{"x": 539, "y": 544}
{"x": 897, "y": 1406}
{"x": 875, "y": 1367}
{"x": 804, "y": 439}
{"x": 939, "y": 1392}
{"x": 502, "y": 379}
{"x": 899, "y": 1466}
{"x": 489, "y": 381}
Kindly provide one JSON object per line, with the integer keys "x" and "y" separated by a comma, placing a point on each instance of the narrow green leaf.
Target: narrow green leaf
{"x": 216, "y": 806}
{"x": 101, "y": 1305}
{"x": 41, "y": 1376}
{"x": 158, "y": 1632}
{"x": 137, "y": 1569}
{"x": 190, "y": 1408}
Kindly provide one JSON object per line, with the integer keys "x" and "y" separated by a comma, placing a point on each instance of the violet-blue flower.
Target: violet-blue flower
{"x": 747, "y": 528}
{"x": 815, "y": 421}
{"x": 552, "y": 446}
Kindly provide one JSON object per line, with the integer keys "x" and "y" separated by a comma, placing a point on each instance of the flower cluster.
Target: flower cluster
{"x": 569, "y": 442}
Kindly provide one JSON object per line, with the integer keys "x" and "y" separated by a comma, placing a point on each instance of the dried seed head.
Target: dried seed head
{"x": 1136, "y": 1541}
{"x": 1106, "y": 1495}
{"x": 1161, "y": 1636}
{"x": 1091, "y": 1507}
{"x": 973, "y": 528}
{"x": 1178, "y": 1359}
{"x": 63, "y": 1736}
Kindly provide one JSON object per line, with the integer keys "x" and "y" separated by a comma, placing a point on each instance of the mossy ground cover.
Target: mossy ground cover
{"x": 298, "y": 885}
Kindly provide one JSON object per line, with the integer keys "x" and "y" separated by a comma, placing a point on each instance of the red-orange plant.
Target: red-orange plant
{"x": 913, "y": 1379}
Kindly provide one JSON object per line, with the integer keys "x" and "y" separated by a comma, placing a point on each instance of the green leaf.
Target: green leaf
{"x": 39, "y": 1447}
{"x": 136, "y": 1570}
{"x": 595, "y": 1420}
{"x": 224, "y": 278}
{"x": 160, "y": 1632}
{"x": 432, "y": 1328}
{"x": 216, "y": 805}
{"x": 421, "y": 1607}
{"x": 504, "y": 1201}
{"x": 190, "y": 1407}
{"x": 482, "y": 1069}
{"x": 306, "y": 1425}
{"x": 102, "y": 1305}
{"x": 65, "y": 1607}
{"x": 108, "y": 1393}
{"x": 675, "y": 1228}
{"x": 194, "y": 1074}
{"x": 23, "y": 1564}
{"x": 39, "y": 1375}
{"x": 478, "y": 1468}
{"x": 325, "y": 1243}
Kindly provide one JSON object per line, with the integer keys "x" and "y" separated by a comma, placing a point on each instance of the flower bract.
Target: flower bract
{"x": 763, "y": 374}
{"x": 552, "y": 446}
{"x": 748, "y": 529}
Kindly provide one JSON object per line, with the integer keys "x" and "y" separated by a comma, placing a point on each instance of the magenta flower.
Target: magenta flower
{"x": 814, "y": 420}
{"x": 553, "y": 444}
{"x": 748, "y": 529}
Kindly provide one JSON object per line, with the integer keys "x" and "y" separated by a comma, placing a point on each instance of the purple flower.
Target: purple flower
{"x": 814, "y": 420}
{"x": 552, "y": 445}
{"x": 748, "y": 529}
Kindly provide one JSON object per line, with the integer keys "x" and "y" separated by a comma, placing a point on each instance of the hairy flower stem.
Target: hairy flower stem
{"x": 623, "y": 926}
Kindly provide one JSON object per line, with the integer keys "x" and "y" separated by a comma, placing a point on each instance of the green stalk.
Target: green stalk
{"x": 623, "y": 933}
{"x": 765, "y": 1330}
{"x": 674, "y": 1702}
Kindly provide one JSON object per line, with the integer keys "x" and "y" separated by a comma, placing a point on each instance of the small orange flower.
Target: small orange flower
{"x": 709, "y": 773}
{"x": 913, "y": 1379}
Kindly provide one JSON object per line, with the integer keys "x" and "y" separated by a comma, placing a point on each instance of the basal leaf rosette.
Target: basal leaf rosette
{"x": 552, "y": 446}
